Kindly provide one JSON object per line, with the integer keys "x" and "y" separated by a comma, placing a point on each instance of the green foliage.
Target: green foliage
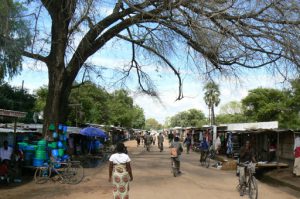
{"x": 14, "y": 37}
{"x": 152, "y": 124}
{"x": 89, "y": 103}
{"x": 212, "y": 94}
{"x": 231, "y": 118}
{"x": 263, "y": 104}
{"x": 231, "y": 108}
{"x": 120, "y": 108}
{"x": 17, "y": 99}
{"x": 138, "y": 117}
{"x": 41, "y": 96}
{"x": 212, "y": 99}
{"x": 192, "y": 117}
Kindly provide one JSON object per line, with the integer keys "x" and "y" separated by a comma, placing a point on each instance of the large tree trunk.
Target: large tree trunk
{"x": 59, "y": 89}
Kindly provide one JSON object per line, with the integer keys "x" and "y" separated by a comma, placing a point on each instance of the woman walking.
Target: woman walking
{"x": 120, "y": 172}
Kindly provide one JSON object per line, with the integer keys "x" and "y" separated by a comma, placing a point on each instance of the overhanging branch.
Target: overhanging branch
{"x": 180, "y": 94}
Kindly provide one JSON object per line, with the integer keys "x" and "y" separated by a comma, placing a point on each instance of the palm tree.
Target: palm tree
{"x": 212, "y": 99}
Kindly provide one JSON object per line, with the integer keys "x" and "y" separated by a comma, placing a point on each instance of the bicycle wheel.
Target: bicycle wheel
{"x": 73, "y": 174}
{"x": 253, "y": 189}
{"x": 207, "y": 161}
{"x": 42, "y": 175}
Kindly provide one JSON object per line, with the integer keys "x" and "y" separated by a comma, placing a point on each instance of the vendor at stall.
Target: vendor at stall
{"x": 6, "y": 152}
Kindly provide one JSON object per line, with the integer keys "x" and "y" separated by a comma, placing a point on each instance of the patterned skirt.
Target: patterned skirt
{"x": 120, "y": 182}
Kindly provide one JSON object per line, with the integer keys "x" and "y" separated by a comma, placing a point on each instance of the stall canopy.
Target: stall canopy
{"x": 93, "y": 132}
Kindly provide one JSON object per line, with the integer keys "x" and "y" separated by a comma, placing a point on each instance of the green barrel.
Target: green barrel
{"x": 61, "y": 152}
{"x": 40, "y": 154}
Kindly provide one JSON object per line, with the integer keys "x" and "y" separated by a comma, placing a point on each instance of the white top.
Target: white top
{"x": 6, "y": 154}
{"x": 297, "y": 142}
{"x": 119, "y": 158}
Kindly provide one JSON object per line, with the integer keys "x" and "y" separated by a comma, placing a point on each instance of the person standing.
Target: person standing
{"x": 120, "y": 172}
{"x": 6, "y": 152}
{"x": 160, "y": 141}
{"x": 187, "y": 142}
{"x": 148, "y": 141}
{"x": 138, "y": 139}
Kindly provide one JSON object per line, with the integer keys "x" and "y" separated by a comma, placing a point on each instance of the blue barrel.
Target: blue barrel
{"x": 60, "y": 144}
{"x": 54, "y": 135}
{"x": 38, "y": 162}
{"x": 28, "y": 156}
{"x": 54, "y": 152}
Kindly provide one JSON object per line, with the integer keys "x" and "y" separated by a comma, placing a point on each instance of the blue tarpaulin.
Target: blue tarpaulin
{"x": 93, "y": 132}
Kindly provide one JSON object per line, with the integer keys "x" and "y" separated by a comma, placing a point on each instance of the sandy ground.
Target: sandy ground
{"x": 152, "y": 179}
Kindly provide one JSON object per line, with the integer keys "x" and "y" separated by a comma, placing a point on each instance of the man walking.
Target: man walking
{"x": 160, "y": 140}
{"x": 148, "y": 141}
{"x": 187, "y": 142}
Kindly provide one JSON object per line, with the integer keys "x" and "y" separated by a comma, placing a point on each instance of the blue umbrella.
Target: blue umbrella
{"x": 93, "y": 132}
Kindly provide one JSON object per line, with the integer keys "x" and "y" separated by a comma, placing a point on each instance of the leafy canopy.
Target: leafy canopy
{"x": 15, "y": 36}
{"x": 189, "y": 118}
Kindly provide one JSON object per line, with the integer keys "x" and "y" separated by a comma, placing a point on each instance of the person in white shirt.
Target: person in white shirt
{"x": 120, "y": 172}
{"x": 5, "y": 152}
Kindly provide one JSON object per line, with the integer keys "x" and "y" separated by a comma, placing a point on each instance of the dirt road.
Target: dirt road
{"x": 152, "y": 179}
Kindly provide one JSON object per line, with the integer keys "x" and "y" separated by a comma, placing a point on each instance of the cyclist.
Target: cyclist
{"x": 176, "y": 144}
{"x": 204, "y": 150}
{"x": 246, "y": 156}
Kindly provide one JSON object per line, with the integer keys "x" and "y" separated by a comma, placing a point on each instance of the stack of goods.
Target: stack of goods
{"x": 29, "y": 151}
{"x": 59, "y": 146}
{"x": 40, "y": 154}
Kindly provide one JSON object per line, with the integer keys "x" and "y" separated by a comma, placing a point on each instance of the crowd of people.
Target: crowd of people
{"x": 120, "y": 172}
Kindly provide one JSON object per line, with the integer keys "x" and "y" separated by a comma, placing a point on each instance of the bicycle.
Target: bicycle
{"x": 249, "y": 184}
{"x": 209, "y": 155}
{"x": 70, "y": 172}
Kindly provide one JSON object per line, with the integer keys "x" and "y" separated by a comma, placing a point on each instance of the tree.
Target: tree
{"x": 14, "y": 37}
{"x": 232, "y": 112}
{"x": 231, "y": 118}
{"x": 189, "y": 118}
{"x": 233, "y": 107}
{"x": 17, "y": 99}
{"x": 219, "y": 35}
{"x": 290, "y": 118}
{"x": 41, "y": 97}
{"x": 138, "y": 117}
{"x": 152, "y": 124}
{"x": 89, "y": 103}
{"x": 212, "y": 99}
{"x": 265, "y": 104}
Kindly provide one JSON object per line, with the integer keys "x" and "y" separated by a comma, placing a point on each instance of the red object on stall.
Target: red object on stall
{"x": 297, "y": 152}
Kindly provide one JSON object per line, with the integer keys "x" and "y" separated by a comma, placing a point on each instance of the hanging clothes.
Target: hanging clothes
{"x": 229, "y": 144}
{"x": 200, "y": 136}
{"x": 296, "y": 170}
